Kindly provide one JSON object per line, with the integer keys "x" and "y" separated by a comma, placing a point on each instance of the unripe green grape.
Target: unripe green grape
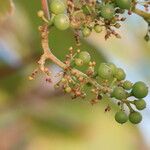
{"x": 121, "y": 117}
{"x": 127, "y": 85}
{"x": 140, "y": 104}
{"x": 78, "y": 62}
{"x": 140, "y": 90}
{"x": 86, "y": 31}
{"x": 61, "y": 22}
{"x": 120, "y": 74}
{"x": 107, "y": 11}
{"x": 105, "y": 71}
{"x": 113, "y": 67}
{"x": 119, "y": 93}
{"x": 98, "y": 28}
{"x": 124, "y": 4}
{"x": 135, "y": 117}
{"x": 85, "y": 57}
{"x": 57, "y": 6}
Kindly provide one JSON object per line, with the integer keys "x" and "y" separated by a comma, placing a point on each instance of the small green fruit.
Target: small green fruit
{"x": 120, "y": 74}
{"x": 119, "y": 93}
{"x": 121, "y": 117}
{"x": 124, "y": 4}
{"x": 78, "y": 62}
{"x": 61, "y": 22}
{"x": 57, "y": 7}
{"x": 140, "y": 104}
{"x": 135, "y": 117}
{"x": 104, "y": 71}
{"x": 107, "y": 11}
{"x": 127, "y": 85}
{"x": 85, "y": 57}
{"x": 140, "y": 90}
{"x": 98, "y": 28}
{"x": 86, "y": 31}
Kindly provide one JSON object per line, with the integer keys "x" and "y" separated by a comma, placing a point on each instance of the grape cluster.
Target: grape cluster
{"x": 87, "y": 16}
{"x": 108, "y": 81}
{"x": 112, "y": 85}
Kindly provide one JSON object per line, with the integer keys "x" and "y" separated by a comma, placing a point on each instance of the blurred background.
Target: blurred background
{"x": 35, "y": 116}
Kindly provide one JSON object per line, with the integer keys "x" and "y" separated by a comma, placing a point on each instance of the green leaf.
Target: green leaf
{"x": 6, "y": 8}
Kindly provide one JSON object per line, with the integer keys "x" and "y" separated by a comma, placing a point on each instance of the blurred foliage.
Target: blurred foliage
{"x": 6, "y": 8}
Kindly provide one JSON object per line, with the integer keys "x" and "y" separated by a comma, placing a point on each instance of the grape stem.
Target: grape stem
{"x": 48, "y": 55}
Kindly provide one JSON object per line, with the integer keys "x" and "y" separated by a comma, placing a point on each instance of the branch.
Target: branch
{"x": 45, "y": 8}
{"x": 142, "y": 13}
{"x": 48, "y": 55}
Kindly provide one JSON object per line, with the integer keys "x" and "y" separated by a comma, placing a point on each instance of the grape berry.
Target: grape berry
{"x": 115, "y": 86}
{"x": 121, "y": 117}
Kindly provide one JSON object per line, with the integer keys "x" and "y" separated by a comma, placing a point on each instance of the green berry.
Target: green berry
{"x": 57, "y": 7}
{"x": 107, "y": 11}
{"x": 98, "y": 28}
{"x": 86, "y": 31}
{"x": 140, "y": 90}
{"x": 104, "y": 71}
{"x": 123, "y": 4}
{"x": 127, "y": 85}
{"x": 78, "y": 62}
{"x": 61, "y": 22}
{"x": 85, "y": 57}
{"x": 121, "y": 117}
{"x": 113, "y": 67}
{"x": 135, "y": 117}
{"x": 140, "y": 104}
{"x": 120, "y": 74}
{"x": 119, "y": 93}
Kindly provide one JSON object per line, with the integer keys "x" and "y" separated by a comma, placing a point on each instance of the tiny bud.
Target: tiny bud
{"x": 30, "y": 78}
{"x": 94, "y": 63}
{"x": 80, "y": 79}
{"x": 90, "y": 63}
{"x": 78, "y": 50}
{"x": 68, "y": 89}
{"x": 71, "y": 48}
{"x": 40, "y": 13}
{"x": 63, "y": 80}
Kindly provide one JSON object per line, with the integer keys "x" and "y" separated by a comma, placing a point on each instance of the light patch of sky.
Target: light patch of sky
{"x": 8, "y": 55}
